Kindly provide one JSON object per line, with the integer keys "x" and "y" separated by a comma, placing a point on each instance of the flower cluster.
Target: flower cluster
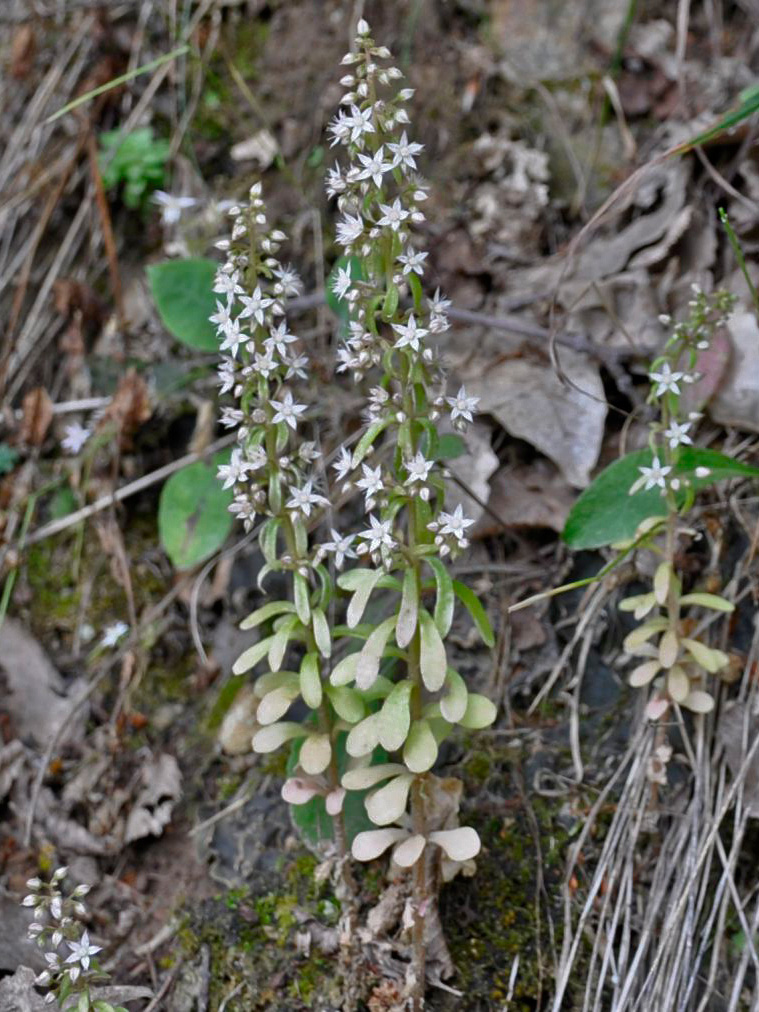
{"x": 270, "y": 465}
{"x": 56, "y": 926}
{"x": 667, "y": 652}
{"x": 670, "y": 374}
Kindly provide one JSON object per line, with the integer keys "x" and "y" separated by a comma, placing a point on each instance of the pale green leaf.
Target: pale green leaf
{"x": 322, "y": 637}
{"x": 371, "y": 654}
{"x": 432, "y": 659}
{"x": 480, "y": 712}
{"x": 409, "y": 610}
{"x": 346, "y": 702}
{"x": 388, "y": 804}
{"x": 300, "y": 593}
{"x": 263, "y": 614}
{"x": 310, "y": 681}
{"x": 394, "y": 719}
{"x": 453, "y": 704}
{"x": 472, "y": 604}
{"x": 250, "y": 657}
{"x": 420, "y": 750}
{"x": 445, "y": 600}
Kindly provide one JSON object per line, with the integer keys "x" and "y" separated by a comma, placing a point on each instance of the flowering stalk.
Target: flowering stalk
{"x": 409, "y": 533}
{"x": 269, "y": 471}
{"x": 667, "y": 656}
{"x": 57, "y": 923}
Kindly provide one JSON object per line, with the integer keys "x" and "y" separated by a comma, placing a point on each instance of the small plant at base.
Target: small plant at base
{"x": 665, "y": 654}
{"x": 56, "y": 925}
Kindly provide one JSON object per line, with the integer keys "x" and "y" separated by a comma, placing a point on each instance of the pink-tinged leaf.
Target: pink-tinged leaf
{"x": 368, "y": 776}
{"x": 370, "y": 844}
{"x": 656, "y": 708}
{"x": 388, "y": 803}
{"x": 644, "y": 673}
{"x": 406, "y": 854}
{"x": 315, "y": 753}
{"x": 334, "y": 801}
{"x": 460, "y": 844}
{"x": 297, "y": 791}
{"x": 275, "y": 704}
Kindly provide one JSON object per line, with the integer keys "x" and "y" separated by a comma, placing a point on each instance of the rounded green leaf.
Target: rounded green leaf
{"x": 267, "y": 611}
{"x": 363, "y": 583}
{"x": 345, "y": 670}
{"x": 322, "y": 636}
{"x": 367, "y": 776}
{"x": 183, "y": 293}
{"x": 445, "y": 600}
{"x": 480, "y": 712}
{"x": 394, "y": 719}
{"x": 388, "y": 804}
{"x": 371, "y": 653}
{"x": 347, "y": 703}
{"x": 711, "y": 601}
{"x": 310, "y": 681}
{"x": 193, "y": 513}
{"x": 407, "y": 616}
{"x": 432, "y": 660}
{"x": 250, "y": 657}
{"x": 270, "y": 738}
{"x": 453, "y": 704}
{"x": 276, "y": 703}
{"x": 300, "y": 593}
{"x": 420, "y": 750}
{"x": 315, "y": 753}
{"x": 279, "y": 642}
{"x": 364, "y": 737}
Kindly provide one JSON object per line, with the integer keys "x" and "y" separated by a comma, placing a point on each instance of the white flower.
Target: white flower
{"x": 264, "y": 364}
{"x": 335, "y": 182}
{"x": 289, "y": 281}
{"x": 462, "y": 406}
{"x": 227, "y": 283}
{"x": 231, "y": 418}
{"x": 287, "y": 410}
{"x": 233, "y": 338}
{"x": 379, "y": 535}
{"x": 404, "y": 152}
{"x": 222, "y": 315}
{"x": 340, "y": 128}
{"x": 171, "y": 206}
{"x": 410, "y": 334}
{"x": 226, "y": 374}
{"x": 302, "y": 499}
{"x": 244, "y": 510}
{"x": 371, "y": 483}
{"x": 341, "y": 546}
{"x": 360, "y": 123}
{"x": 342, "y": 282}
{"x": 393, "y": 215}
{"x": 412, "y": 261}
{"x": 677, "y": 434}
{"x": 234, "y": 471}
{"x": 349, "y": 229}
{"x": 255, "y": 305}
{"x": 344, "y": 464}
{"x": 666, "y": 380}
{"x": 418, "y": 469}
{"x": 82, "y": 950}
{"x": 75, "y": 438}
{"x": 454, "y": 523}
{"x": 651, "y": 477}
{"x": 374, "y": 166}
{"x": 113, "y": 634}
{"x": 296, "y": 366}
{"x": 279, "y": 338}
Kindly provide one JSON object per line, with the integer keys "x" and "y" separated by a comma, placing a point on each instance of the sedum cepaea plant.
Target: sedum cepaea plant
{"x": 666, "y": 648}
{"x": 379, "y": 688}
{"x": 57, "y": 925}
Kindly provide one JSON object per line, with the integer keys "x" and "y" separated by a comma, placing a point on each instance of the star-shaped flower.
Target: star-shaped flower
{"x": 677, "y": 434}
{"x": 462, "y": 406}
{"x": 228, "y": 283}
{"x": 279, "y": 338}
{"x": 410, "y": 334}
{"x": 412, "y": 261}
{"x": 82, "y": 950}
{"x": 379, "y": 535}
{"x": 349, "y": 229}
{"x": 666, "y": 380}
{"x": 172, "y": 206}
{"x": 113, "y": 634}
{"x": 287, "y": 410}
{"x": 255, "y": 305}
{"x": 344, "y": 464}
{"x": 341, "y": 547}
{"x": 418, "y": 469}
{"x": 374, "y": 166}
{"x": 342, "y": 282}
{"x": 75, "y": 437}
{"x": 404, "y": 151}
{"x": 393, "y": 215}
{"x": 454, "y": 523}
{"x": 303, "y": 499}
{"x": 651, "y": 477}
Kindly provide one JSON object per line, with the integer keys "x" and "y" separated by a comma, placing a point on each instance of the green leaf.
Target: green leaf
{"x": 8, "y": 458}
{"x": 450, "y": 446}
{"x": 480, "y": 712}
{"x": 310, "y": 681}
{"x": 267, "y": 539}
{"x": 390, "y": 304}
{"x": 472, "y": 604}
{"x": 388, "y": 803}
{"x": 445, "y": 600}
{"x": 606, "y": 512}
{"x": 453, "y": 706}
{"x": 371, "y": 654}
{"x": 250, "y": 657}
{"x": 394, "y": 719}
{"x": 183, "y": 293}
{"x": 409, "y": 610}
{"x": 420, "y": 750}
{"x": 322, "y": 637}
{"x": 367, "y": 440}
{"x": 712, "y": 601}
{"x": 193, "y": 513}
{"x": 347, "y": 703}
{"x": 302, "y": 604}
{"x": 344, "y": 671}
{"x": 279, "y": 642}
{"x": 362, "y": 583}
{"x": 432, "y": 661}
{"x": 267, "y": 611}
{"x": 416, "y": 290}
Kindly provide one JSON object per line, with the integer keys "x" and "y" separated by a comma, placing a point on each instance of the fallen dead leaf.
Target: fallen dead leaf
{"x": 529, "y": 400}
{"x": 33, "y": 695}
{"x": 37, "y": 414}
{"x": 737, "y": 399}
{"x": 473, "y": 469}
{"x": 129, "y": 408}
{"x": 162, "y": 788}
{"x": 528, "y": 495}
